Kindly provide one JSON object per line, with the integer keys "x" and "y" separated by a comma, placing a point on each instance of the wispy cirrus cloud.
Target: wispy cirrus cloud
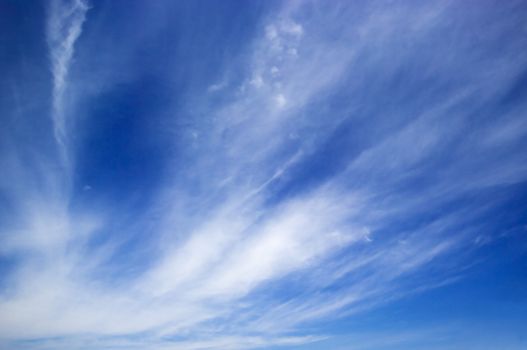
{"x": 328, "y": 175}
{"x": 64, "y": 26}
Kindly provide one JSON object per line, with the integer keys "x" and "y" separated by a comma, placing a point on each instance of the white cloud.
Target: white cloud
{"x": 223, "y": 238}
{"x": 65, "y": 20}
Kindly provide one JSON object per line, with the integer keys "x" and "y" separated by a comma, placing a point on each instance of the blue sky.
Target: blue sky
{"x": 343, "y": 175}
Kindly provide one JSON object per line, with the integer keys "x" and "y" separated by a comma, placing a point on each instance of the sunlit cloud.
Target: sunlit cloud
{"x": 341, "y": 158}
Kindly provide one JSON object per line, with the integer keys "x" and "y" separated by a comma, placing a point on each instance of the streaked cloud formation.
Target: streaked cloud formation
{"x": 257, "y": 175}
{"x": 64, "y": 25}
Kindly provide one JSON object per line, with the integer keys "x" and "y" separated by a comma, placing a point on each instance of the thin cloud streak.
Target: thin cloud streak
{"x": 64, "y": 26}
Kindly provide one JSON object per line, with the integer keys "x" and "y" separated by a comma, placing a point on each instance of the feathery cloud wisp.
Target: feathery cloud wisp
{"x": 64, "y": 27}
